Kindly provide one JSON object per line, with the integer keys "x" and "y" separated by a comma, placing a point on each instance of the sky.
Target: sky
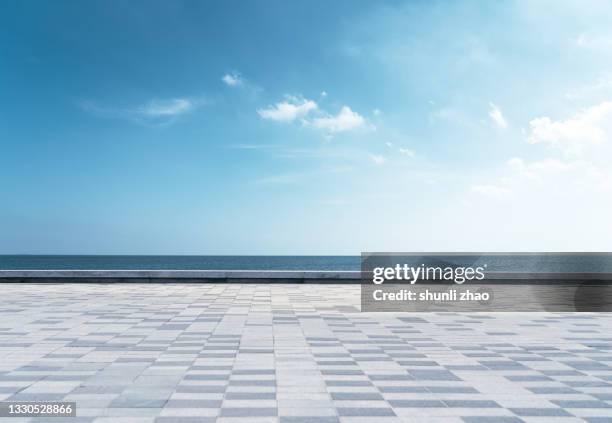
{"x": 304, "y": 127}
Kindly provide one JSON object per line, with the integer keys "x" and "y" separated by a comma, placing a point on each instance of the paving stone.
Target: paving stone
{"x": 294, "y": 353}
{"x": 541, "y": 412}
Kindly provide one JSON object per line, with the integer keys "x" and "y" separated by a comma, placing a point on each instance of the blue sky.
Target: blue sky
{"x": 304, "y": 127}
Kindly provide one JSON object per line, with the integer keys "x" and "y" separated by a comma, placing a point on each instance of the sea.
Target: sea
{"x": 524, "y": 262}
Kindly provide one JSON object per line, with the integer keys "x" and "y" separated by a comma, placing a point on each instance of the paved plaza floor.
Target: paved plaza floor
{"x": 293, "y": 354}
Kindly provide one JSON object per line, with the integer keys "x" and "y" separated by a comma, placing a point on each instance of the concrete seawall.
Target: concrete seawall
{"x": 263, "y": 276}
{"x": 182, "y": 276}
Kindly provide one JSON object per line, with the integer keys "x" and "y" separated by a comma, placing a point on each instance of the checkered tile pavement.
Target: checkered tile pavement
{"x": 293, "y": 354}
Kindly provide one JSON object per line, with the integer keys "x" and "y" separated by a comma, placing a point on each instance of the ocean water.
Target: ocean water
{"x": 561, "y": 262}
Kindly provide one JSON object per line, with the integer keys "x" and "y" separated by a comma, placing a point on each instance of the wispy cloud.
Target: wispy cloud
{"x": 602, "y": 86}
{"x": 377, "y": 159}
{"x": 497, "y": 116}
{"x": 253, "y": 146}
{"x": 155, "y": 112}
{"x": 600, "y": 41}
{"x": 233, "y": 79}
{"x": 282, "y": 179}
{"x": 406, "y": 152}
{"x": 289, "y": 110}
{"x": 299, "y": 177}
{"x": 160, "y": 108}
{"x": 548, "y": 182}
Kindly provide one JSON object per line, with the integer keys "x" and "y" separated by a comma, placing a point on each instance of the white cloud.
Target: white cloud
{"x": 406, "y": 152}
{"x": 589, "y": 127}
{"x": 580, "y": 173}
{"x": 232, "y": 79}
{"x": 346, "y": 120}
{"x": 540, "y": 196}
{"x": 497, "y": 116}
{"x": 377, "y": 159}
{"x": 308, "y": 113}
{"x": 289, "y": 110}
